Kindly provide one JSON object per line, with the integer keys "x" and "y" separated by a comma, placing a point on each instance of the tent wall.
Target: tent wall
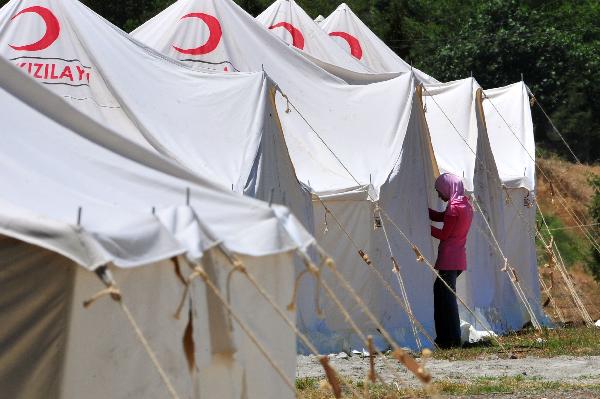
{"x": 457, "y": 126}
{"x": 59, "y": 349}
{"x": 35, "y": 307}
{"x": 405, "y": 198}
{"x": 510, "y": 128}
{"x": 520, "y": 223}
{"x": 273, "y": 176}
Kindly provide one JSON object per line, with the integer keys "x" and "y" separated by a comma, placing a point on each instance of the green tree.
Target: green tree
{"x": 554, "y": 44}
{"x": 594, "y": 262}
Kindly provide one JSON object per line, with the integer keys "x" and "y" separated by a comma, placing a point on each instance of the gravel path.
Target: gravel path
{"x": 566, "y": 369}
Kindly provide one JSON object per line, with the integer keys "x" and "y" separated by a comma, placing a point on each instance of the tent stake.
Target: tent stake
{"x": 79, "y": 212}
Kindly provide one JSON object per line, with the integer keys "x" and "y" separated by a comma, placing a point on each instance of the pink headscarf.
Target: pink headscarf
{"x": 451, "y": 187}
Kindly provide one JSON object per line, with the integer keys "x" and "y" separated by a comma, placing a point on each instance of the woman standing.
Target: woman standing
{"x": 452, "y": 256}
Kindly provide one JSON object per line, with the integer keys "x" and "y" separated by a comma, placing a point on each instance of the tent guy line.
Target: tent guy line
{"x": 594, "y": 243}
{"x": 496, "y": 245}
{"x": 418, "y": 253}
{"x": 585, "y": 314}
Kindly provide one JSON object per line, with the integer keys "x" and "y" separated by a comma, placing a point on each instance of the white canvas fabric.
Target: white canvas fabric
{"x": 54, "y": 161}
{"x": 289, "y": 22}
{"x": 222, "y": 126}
{"x": 341, "y": 162}
{"x": 404, "y": 198}
{"x": 355, "y": 37}
{"x": 45, "y": 209}
{"x": 94, "y": 353}
{"x": 510, "y": 128}
{"x": 460, "y": 141}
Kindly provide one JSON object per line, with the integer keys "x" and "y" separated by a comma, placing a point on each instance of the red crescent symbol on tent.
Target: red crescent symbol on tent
{"x": 297, "y": 37}
{"x": 355, "y": 48}
{"x": 214, "y": 27}
{"x": 52, "y": 29}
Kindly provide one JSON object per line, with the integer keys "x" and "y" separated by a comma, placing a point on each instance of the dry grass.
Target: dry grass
{"x": 319, "y": 389}
{"x": 571, "y": 181}
{"x": 571, "y": 341}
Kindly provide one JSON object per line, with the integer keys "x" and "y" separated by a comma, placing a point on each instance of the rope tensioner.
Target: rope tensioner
{"x": 111, "y": 290}
{"x": 418, "y": 254}
{"x": 364, "y": 257}
{"x": 287, "y": 107}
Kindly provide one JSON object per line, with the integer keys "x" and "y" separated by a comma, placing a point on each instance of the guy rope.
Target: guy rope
{"x": 418, "y": 253}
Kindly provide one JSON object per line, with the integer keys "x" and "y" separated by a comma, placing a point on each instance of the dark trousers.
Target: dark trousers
{"x": 445, "y": 310}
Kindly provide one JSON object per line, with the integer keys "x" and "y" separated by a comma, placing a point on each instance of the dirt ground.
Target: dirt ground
{"x": 564, "y": 369}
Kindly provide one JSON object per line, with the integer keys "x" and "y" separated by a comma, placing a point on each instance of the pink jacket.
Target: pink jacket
{"x": 452, "y": 254}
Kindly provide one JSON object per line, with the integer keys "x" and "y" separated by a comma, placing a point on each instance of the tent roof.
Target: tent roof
{"x": 210, "y": 123}
{"x": 513, "y": 145}
{"x": 452, "y": 118}
{"x": 356, "y": 37}
{"x": 55, "y": 160}
{"x": 346, "y": 116}
{"x": 288, "y": 21}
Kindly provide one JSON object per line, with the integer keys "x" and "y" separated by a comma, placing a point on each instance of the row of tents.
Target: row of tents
{"x": 171, "y": 177}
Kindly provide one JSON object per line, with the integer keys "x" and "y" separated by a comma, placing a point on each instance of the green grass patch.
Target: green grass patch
{"x": 573, "y": 249}
{"x": 572, "y": 341}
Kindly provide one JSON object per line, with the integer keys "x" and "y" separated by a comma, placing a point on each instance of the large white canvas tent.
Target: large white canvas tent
{"x": 288, "y": 21}
{"x": 510, "y": 129}
{"x": 219, "y": 125}
{"x": 77, "y": 198}
{"x": 461, "y": 146}
{"x": 356, "y": 37}
{"x": 519, "y": 250}
{"x": 329, "y": 127}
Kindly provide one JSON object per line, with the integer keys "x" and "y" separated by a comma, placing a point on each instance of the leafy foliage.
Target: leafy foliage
{"x": 594, "y": 263}
{"x": 554, "y": 44}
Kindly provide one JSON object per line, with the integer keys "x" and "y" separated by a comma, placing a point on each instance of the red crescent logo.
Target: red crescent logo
{"x": 355, "y": 48}
{"x": 214, "y": 37}
{"x": 297, "y": 37}
{"x": 52, "y": 29}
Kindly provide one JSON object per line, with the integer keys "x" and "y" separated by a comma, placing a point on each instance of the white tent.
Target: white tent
{"x": 219, "y": 125}
{"x": 352, "y": 171}
{"x": 379, "y": 57}
{"x": 288, "y": 21}
{"x": 77, "y": 197}
{"x": 510, "y": 129}
{"x": 461, "y": 146}
{"x": 356, "y": 37}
